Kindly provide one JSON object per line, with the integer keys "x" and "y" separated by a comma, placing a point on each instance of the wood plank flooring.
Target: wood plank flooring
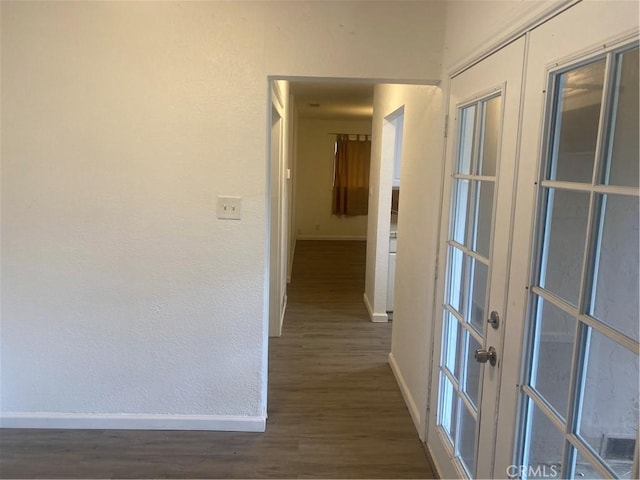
{"x": 335, "y": 410}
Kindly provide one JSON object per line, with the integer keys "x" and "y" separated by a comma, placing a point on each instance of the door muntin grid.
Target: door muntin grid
{"x": 467, "y": 280}
{"x": 590, "y": 354}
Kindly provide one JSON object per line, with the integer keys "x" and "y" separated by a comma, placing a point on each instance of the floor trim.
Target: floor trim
{"x": 375, "y": 317}
{"x": 406, "y": 394}
{"x": 224, "y": 423}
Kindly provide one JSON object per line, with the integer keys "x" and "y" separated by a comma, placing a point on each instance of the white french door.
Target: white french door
{"x": 481, "y": 153}
{"x": 542, "y": 204}
{"x": 579, "y": 390}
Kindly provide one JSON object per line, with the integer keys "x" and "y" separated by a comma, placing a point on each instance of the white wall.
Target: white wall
{"x": 314, "y": 177}
{"x": 417, "y": 230}
{"x": 122, "y": 122}
{"x": 472, "y": 26}
{"x": 369, "y": 39}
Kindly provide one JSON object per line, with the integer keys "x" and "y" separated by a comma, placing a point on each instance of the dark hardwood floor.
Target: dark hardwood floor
{"x": 335, "y": 410}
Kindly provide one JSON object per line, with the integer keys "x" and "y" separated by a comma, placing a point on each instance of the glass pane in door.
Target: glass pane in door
{"x": 585, "y": 469}
{"x": 551, "y": 369}
{"x": 579, "y": 100}
{"x": 544, "y": 447}
{"x": 492, "y": 119}
{"x": 466, "y": 142}
{"x": 467, "y": 438}
{"x": 472, "y": 378}
{"x": 563, "y": 249}
{"x": 583, "y": 353}
{"x": 460, "y": 219}
{"x": 484, "y": 202}
{"x": 448, "y": 415}
{"x": 479, "y": 280}
{"x": 467, "y": 270}
{"x": 623, "y": 166}
{"x": 615, "y": 299}
{"x": 609, "y": 417}
{"x": 456, "y": 266}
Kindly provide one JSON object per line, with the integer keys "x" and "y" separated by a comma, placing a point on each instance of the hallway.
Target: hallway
{"x": 329, "y": 381}
{"x": 335, "y": 410}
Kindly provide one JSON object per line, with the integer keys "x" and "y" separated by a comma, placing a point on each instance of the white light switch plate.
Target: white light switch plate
{"x": 229, "y": 208}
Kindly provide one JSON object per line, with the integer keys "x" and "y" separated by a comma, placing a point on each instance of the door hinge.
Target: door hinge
{"x": 446, "y": 126}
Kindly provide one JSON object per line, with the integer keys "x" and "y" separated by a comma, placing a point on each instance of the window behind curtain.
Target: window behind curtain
{"x": 351, "y": 176}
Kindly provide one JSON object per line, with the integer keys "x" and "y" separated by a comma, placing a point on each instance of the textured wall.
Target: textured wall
{"x": 122, "y": 293}
{"x": 420, "y": 180}
{"x": 122, "y": 122}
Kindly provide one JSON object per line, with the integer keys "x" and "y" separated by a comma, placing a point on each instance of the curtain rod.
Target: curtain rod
{"x": 351, "y": 134}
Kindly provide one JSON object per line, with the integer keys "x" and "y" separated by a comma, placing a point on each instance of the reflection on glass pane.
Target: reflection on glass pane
{"x": 554, "y": 353}
{"x": 472, "y": 382}
{"x": 577, "y": 119}
{"x": 460, "y": 215}
{"x": 564, "y": 243}
{"x": 484, "y": 209}
{"x": 609, "y": 418}
{"x": 584, "y": 469}
{"x": 452, "y": 333}
{"x": 447, "y": 407}
{"x": 490, "y": 137}
{"x": 460, "y": 358}
{"x": 478, "y": 295}
{"x": 465, "y": 147}
{"x": 467, "y": 439}
{"x": 543, "y": 448}
{"x": 624, "y": 149}
{"x": 456, "y": 275}
{"x": 616, "y": 285}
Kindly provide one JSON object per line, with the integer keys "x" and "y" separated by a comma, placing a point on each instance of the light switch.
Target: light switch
{"x": 229, "y": 208}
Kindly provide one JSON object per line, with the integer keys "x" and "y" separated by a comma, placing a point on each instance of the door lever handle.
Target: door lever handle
{"x": 482, "y": 356}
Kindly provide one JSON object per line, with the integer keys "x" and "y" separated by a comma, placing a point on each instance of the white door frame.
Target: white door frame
{"x": 278, "y": 212}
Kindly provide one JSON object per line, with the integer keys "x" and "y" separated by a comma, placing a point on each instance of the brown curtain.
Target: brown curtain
{"x": 351, "y": 176}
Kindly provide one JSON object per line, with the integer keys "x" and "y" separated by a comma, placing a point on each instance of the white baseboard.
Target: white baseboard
{"x": 224, "y": 423}
{"x": 331, "y": 237}
{"x": 434, "y": 462}
{"x": 406, "y": 394}
{"x": 375, "y": 317}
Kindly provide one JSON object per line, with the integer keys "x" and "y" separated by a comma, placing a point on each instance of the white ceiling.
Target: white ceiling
{"x": 337, "y": 99}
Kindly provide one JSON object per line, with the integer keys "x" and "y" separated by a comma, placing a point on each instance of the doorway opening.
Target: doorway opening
{"x": 306, "y": 118}
{"x": 403, "y": 106}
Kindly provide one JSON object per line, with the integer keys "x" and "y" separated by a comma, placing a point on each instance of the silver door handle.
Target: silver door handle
{"x": 482, "y": 356}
